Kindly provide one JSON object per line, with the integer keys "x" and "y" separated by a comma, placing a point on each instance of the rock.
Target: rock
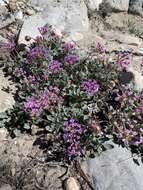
{"x": 30, "y": 12}
{"x": 5, "y": 17}
{"x": 2, "y": 3}
{"x": 115, "y": 169}
{"x": 6, "y": 187}
{"x": 118, "y": 5}
{"x": 6, "y": 101}
{"x": 20, "y": 147}
{"x": 30, "y": 28}
{"x": 128, "y": 39}
{"x": 2, "y": 40}
{"x": 138, "y": 79}
{"x": 94, "y": 4}
{"x": 71, "y": 184}
{"x": 3, "y": 134}
{"x": 19, "y": 15}
{"x": 119, "y": 37}
{"x": 65, "y": 16}
{"x": 136, "y": 7}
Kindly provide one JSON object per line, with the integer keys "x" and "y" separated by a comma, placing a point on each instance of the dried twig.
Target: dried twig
{"x": 82, "y": 174}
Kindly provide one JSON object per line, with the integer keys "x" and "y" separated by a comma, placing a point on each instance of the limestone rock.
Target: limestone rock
{"x": 6, "y": 101}
{"x": 6, "y": 187}
{"x": 115, "y": 169}
{"x": 94, "y": 4}
{"x": 129, "y": 39}
{"x": 5, "y": 17}
{"x": 3, "y": 134}
{"x": 136, "y": 7}
{"x": 30, "y": 27}
{"x": 2, "y": 40}
{"x": 118, "y": 5}
{"x": 71, "y": 184}
{"x": 121, "y": 38}
{"x": 2, "y": 3}
{"x": 65, "y": 16}
{"x": 138, "y": 79}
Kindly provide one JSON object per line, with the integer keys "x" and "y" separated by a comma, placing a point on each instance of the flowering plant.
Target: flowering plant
{"x": 79, "y": 99}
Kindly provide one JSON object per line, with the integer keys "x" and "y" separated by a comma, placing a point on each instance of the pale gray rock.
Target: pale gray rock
{"x": 71, "y": 184}
{"x": 30, "y": 28}
{"x": 2, "y": 3}
{"x": 5, "y": 17}
{"x": 138, "y": 79}
{"x": 6, "y": 187}
{"x": 3, "y": 134}
{"x": 123, "y": 38}
{"x": 66, "y": 16}
{"x": 2, "y": 40}
{"x": 136, "y": 7}
{"x": 93, "y": 4}
{"x": 119, "y": 5}
{"x": 115, "y": 169}
{"x": 6, "y": 99}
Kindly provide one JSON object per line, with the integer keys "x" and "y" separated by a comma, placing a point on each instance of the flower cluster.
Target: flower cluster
{"x": 71, "y": 59}
{"x": 71, "y": 135}
{"x": 95, "y": 127}
{"x": 101, "y": 49}
{"x": 47, "y": 100}
{"x": 37, "y": 52}
{"x": 90, "y": 92}
{"x": 68, "y": 46}
{"x": 43, "y": 30}
{"x": 54, "y": 67}
{"x": 91, "y": 87}
{"x": 124, "y": 59}
{"x": 130, "y": 136}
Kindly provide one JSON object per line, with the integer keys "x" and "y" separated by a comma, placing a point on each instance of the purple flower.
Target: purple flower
{"x": 138, "y": 141}
{"x": 33, "y": 106}
{"x": 46, "y": 100}
{"x": 95, "y": 127}
{"x": 54, "y": 67}
{"x": 124, "y": 59}
{"x": 43, "y": 30}
{"x": 72, "y": 134}
{"x": 74, "y": 150}
{"x": 68, "y": 46}
{"x": 37, "y": 53}
{"x": 91, "y": 87}
{"x": 39, "y": 40}
{"x": 71, "y": 59}
{"x": 101, "y": 49}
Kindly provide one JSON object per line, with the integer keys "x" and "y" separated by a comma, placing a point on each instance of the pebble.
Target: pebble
{"x": 71, "y": 184}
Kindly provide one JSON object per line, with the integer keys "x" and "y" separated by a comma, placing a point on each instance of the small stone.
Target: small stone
{"x": 19, "y": 15}
{"x": 6, "y": 187}
{"x": 71, "y": 184}
{"x": 6, "y": 101}
{"x": 2, "y": 40}
{"x": 94, "y": 4}
{"x": 136, "y": 7}
{"x": 30, "y": 12}
{"x": 77, "y": 36}
{"x": 3, "y": 134}
{"x": 30, "y": 28}
{"x": 120, "y": 5}
{"x": 138, "y": 79}
{"x": 2, "y": 3}
{"x": 34, "y": 129}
